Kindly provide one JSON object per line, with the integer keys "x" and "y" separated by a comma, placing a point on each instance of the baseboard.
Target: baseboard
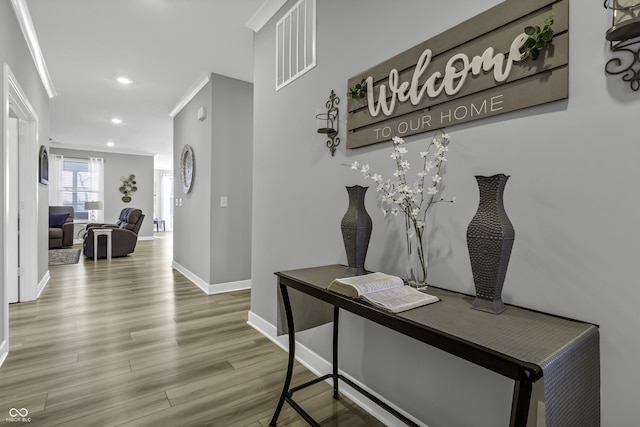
{"x": 43, "y": 283}
{"x": 320, "y": 366}
{"x": 4, "y": 351}
{"x": 145, "y": 237}
{"x": 211, "y": 288}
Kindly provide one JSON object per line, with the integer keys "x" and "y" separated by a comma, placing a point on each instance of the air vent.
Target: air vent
{"x": 295, "y": 42}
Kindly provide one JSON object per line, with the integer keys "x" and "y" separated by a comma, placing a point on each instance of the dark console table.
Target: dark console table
{"x": 520, "y": 344}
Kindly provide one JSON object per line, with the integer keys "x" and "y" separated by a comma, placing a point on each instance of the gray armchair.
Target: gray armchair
{"x": 124, "y": 235}
{"x": 60, "y": 226}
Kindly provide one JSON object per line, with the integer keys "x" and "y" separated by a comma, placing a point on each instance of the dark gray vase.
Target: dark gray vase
{"x": 490, "y": 239}
{"x": 356, "y": 229}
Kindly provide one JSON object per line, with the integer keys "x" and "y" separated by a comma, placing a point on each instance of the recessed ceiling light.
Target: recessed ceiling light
{"x": 111, "y": 144}
{"x": 124, "y": 80}
{"x": 116, "y": 120}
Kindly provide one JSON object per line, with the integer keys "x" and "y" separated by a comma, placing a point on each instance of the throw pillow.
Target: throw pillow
{"x": 57, "y": 219}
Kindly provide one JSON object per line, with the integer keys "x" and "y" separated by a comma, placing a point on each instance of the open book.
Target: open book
{"x": 383, "y": 291}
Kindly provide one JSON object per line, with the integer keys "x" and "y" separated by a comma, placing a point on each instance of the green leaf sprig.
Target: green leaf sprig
{"x": 358, "y": 91}
{"x": 539, "y": 38}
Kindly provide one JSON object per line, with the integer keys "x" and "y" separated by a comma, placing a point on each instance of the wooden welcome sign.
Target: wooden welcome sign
{"x": 472, "y": 71}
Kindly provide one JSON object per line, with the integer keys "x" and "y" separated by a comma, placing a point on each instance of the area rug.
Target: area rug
{"x": 64, "y": 256}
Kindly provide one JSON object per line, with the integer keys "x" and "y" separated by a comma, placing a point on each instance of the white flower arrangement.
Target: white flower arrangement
{"x": 398, "y": 196}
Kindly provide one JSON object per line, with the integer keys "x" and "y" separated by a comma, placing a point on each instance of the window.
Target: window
{"x": 76, "y": 186}
{"x": 75, "y": 182}
{"x": 295, "y": 42}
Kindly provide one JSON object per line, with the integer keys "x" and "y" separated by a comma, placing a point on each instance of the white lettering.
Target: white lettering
{"x": 464, "y": 110}
{"x": 386, "y": 132}
{"x": 478, "y": 111}
{"x": 451, "y": 74}
{"x": 403, "y": 127}
{"x": 495, "y": 102}
{"x": 456, "y": 72}
{"x": 426, "y": 120}
{"x": 421, "y": 67}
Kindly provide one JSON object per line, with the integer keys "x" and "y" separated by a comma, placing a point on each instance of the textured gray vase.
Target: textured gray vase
{"x": 490, "y": 239}
{"x": 356, "y": 229}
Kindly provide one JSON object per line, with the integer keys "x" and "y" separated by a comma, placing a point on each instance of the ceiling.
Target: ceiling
{"x": 164, "y": 46}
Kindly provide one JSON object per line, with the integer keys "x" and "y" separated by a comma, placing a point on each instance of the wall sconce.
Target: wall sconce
{"x": 624, "y": 39}
{"x": 328, "y": 122}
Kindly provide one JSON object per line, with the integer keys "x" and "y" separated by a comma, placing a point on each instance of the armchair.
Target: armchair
{"x": 60, "y": 226}
{"x": 124, "y": 235}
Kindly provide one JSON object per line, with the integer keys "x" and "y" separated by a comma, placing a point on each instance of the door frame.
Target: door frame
{"x": 16, "y": 101}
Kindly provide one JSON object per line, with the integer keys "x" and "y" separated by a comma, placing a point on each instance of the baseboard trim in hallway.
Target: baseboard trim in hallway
{"x": 211, "y": 288}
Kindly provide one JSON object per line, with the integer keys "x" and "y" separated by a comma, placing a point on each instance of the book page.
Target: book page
{"x": 357, "y": 286}
{"x": 399, "y": 299}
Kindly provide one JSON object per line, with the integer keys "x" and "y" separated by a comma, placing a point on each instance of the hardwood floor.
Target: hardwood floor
{"x": 132, "y": 342}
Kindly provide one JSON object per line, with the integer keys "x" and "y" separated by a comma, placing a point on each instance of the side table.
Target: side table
{"x": 101, "y": 232}
{"x": 158, "y": 222}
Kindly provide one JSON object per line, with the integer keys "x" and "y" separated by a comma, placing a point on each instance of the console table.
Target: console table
{"x": 520, "y": 344}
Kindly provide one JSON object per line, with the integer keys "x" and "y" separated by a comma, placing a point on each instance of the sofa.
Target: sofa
{"x": 124, "y": 235}
{"x": 60, "y": 226}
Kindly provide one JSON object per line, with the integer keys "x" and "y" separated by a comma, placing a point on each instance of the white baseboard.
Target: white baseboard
{"x": 211, "y": 288}
{"x": 145, "y": 237}
{"x": 4, "y": 351}
{"x": 43, "y": 283}
{"x": 320, "y": 366}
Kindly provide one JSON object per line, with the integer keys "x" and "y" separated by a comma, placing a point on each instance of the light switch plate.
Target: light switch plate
{"x": 224, "y": 202}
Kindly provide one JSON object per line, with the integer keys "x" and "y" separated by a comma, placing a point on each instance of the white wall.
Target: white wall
{"x": 15, "y": 53}
{"x": 572, "y": 199}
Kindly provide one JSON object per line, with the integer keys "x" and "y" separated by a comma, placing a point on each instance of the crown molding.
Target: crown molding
{"x": 30, "y": 36}
{"x": 191, "y": 92}
{"x": 268, "y": 9}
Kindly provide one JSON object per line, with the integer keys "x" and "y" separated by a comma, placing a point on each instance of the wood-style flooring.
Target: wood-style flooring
{"x": 132, "y": 342}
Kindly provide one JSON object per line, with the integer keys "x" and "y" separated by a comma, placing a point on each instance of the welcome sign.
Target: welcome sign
{"x": 475, "y": 70}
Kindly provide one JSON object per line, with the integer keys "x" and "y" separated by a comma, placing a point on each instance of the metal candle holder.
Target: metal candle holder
{"x": 624, "y": 39}
{"x": 330, "y": 122}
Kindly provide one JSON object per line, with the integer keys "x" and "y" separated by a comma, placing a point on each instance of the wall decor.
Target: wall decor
{"x": 329, "y": 122}
{"x": 128, "y": 187}
{"x": 43, "y": 165}
{"x": 480, "y": 68}
{"x": 624, "y": 41}
{"x": 490, "y": 236}
{"x": 187, "y": 168}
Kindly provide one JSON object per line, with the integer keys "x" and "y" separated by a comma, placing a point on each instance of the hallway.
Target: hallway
{"x": 132, "y": 342}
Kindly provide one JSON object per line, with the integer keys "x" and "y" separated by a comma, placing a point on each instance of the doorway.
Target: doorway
{"x": 19, "y": 203}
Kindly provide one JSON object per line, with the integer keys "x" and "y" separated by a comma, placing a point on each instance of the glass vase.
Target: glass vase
{"x": 416, "y": 251}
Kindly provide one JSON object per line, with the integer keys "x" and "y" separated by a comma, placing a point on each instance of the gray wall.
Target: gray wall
{"x": 211, "y": 241}
{"x": 15, "y": 53}
{"x": 116, "y": 166}
{"x": 191, "y": 221}
{"x": 572, "y": 199}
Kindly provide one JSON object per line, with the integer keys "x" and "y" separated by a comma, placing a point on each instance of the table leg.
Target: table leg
{"x": 292, "y": 350}
{"x": 336, "y": 312}
{"x": 95, "y": 247}
{"x": 520, "y": 403}
{"x": 109, "y": 246}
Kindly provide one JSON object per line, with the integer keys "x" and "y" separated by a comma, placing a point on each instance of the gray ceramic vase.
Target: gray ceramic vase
{"x": 356, "y": 229}
{"x": 490, "y": 239}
